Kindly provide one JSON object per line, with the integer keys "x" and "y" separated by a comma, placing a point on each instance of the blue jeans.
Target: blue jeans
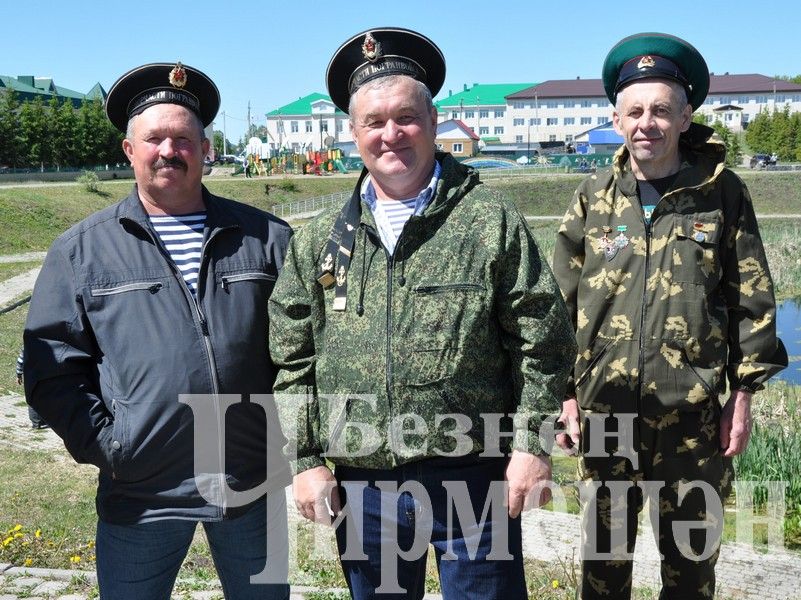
{"x": 383, "y": 539}
{"x": 141, "y": 561}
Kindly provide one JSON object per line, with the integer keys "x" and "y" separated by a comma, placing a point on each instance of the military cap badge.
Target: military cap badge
{"x": 646, "y": 62}
{"x": 178, "y": 76}
{"x": 370, "y": 48}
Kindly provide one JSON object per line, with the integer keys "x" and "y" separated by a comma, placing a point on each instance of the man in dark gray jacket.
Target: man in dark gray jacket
{"x": 146, "y": 351}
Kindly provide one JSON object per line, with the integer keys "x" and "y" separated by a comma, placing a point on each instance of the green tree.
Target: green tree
{"x": 33, "y": 121}
{"x": 10, "y": 135}
{"x": 62, "y": 132}
{"x": 758, "y": 135}
{"x": 730, "y": 139}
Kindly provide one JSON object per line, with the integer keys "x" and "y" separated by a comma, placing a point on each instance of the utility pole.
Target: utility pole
{"x": 225, "y": 136}
{"x": 249, "y": 125}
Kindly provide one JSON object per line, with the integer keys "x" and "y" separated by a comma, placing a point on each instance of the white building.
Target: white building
{"x": 523, "y": 116}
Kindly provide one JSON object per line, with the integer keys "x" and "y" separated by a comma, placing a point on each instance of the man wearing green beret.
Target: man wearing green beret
{"x": 664, "y": 274}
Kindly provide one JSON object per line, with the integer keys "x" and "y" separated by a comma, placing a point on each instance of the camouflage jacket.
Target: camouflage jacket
{"x": 660, "y": 317}
{"x": 464, "y": 318}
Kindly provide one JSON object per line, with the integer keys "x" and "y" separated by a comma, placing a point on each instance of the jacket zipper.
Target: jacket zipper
{"x": 204, "y": 328}
{"x": 437, "y": 289}
{"x": 215, "y": 383}
{"x": 151, "y": 286}
{"x": 641, "y": 360}
{"x": 256, "y": 276}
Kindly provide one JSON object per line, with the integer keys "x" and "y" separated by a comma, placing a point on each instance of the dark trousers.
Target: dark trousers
{"x": 445, "y": 504}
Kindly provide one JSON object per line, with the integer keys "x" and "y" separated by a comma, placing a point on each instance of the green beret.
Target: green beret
{"x": 380, "y": 52}
{"x": 660, "y": 56}
{"x": 162, "y": 83}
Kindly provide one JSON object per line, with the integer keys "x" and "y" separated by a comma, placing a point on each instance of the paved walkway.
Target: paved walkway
{"x": 743, "y": 573}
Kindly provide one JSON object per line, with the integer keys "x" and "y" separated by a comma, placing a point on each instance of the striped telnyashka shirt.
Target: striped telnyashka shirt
{"x": 182, "y": 236}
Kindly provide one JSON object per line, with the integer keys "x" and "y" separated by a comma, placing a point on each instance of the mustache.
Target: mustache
{"x": 170, "y": 162}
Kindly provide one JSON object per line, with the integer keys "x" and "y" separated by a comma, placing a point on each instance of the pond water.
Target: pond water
{"x": 788, "y": 324}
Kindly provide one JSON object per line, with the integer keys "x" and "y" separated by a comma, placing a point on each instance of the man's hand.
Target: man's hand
{"x": 735, "y": 423}
{"x": 526, "y": 474}
{"x": 311, "y": 489}
{"x": 569, "y": 440}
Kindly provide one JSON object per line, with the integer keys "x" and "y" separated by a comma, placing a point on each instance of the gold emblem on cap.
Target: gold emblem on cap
{"x": 370, "y": 48}
{"x": 646, "y": 62}
{"x": 178, "y": 75}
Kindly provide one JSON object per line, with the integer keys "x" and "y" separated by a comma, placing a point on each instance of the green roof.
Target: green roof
{"x": 483, "y": 94}
{"x": 29, "y": 87}
{"x": 301, "y": 106}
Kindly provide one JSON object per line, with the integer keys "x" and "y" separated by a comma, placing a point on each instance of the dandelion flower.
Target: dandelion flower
{"x": 38, "y": 533}
{"x": 75, "y": 559}
{"x": 8, "y": 540}
{"x": 555, "y": 583}
{"x": 28, "y": 562}
{"x": 18, "y": 535}
{"x": 17, "y": 527}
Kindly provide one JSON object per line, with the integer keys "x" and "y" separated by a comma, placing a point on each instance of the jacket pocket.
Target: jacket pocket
{"x": 255, "y": 276}
{"x": 136, "y": 286}
{"x": 595, "y": 358}
{"x": 696, "y": 255}
{"x": 442, "y": 315}
{"x": 119, "y": 439}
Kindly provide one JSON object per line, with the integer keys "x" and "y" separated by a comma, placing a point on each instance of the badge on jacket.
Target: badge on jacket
{"x": 611, "y": 247}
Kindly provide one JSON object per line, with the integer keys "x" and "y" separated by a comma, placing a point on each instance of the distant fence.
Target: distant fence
{"x": 310, "y": 206}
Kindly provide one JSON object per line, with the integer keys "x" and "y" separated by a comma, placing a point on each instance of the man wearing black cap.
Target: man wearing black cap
{"x": 418, "y": 318}
{"x": 146, "y": 327}
{"x": 665, "y": 277}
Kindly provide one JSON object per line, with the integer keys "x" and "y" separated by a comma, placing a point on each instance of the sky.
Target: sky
{"x": 269, "y": 53}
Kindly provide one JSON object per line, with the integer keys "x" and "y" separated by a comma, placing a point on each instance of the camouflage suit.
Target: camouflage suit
{"x": 464, "y": 318}
{"x": 661, "y": 317}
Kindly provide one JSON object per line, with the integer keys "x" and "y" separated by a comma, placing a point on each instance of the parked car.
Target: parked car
{"x": 762, "y": 161}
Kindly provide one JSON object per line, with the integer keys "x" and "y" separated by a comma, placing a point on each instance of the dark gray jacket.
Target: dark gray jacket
{"x": 114, "y": 336}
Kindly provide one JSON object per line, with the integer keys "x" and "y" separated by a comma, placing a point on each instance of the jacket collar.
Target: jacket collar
{"x": 218, "y": 215}
{"x": 703, "y": 159}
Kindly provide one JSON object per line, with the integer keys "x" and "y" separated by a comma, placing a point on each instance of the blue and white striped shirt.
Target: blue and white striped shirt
{"x": 391, "y": 216}
{"x": 182, "y": 236}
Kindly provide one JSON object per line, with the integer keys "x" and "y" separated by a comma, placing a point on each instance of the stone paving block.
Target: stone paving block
{"x": 8, "y": 597}
{"x": 72, "y": 597}
{"x": 50, "y": 588}
{"x": 25, "y": 582}
{"x": 207, "y": 595}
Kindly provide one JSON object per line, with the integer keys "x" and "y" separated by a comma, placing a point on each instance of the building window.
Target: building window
{"x": 483, "y": 131}
{"x": 551, "y": 104}
{"x": 762, "y": 99}
{"x": 324, "y": 127}
{"x": 570, "y": 120}
{"x": 586, "y": 120}
{"x": 483, "y": 114}
{"x": 586, "y": 103}
{"x": 745, "y": 118}
{"x": 602, "y": 120}
{"x": 708, "y": 100}
{"x": 457, "y": 148}
{"x": 499, "y": 114}
{"x": 440, "y": 147}
{"x": 308, "y": 126}
{"x": 742, "y": 100}
{"x": 568, "y": 138}
{"x": 796, "y": 98}
{"x": 340, "y": 126}
{"x": 517, "y": 104}
{"x": 454, "y": 115}
{"x": 293, "y": 126}
{"x": 708, "y": 118}
{"x": 518, "y": 139}
{"x": 729, "y": 117}
{"x": 535, "y": 121}
{"x": 552, "y": 121}
{"x": 551, "y": 138}
{"x": 780, "y": 98}
{"x": 295, "y": 148}
{"x": 469, "y": 114}
{"x": 499, "y": 131}
{"x": 725, "y": 99}
{"x": 519, "y": 122}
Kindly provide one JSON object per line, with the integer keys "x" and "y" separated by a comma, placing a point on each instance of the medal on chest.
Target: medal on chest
{"x": 612, "y": 246}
